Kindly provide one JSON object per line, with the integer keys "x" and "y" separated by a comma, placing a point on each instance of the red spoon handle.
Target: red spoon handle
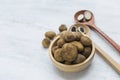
{"x": 113, "y": 43}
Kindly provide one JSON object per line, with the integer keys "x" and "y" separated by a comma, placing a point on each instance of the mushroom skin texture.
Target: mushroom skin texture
{"x": 80, "y": 58}
{"x": 50, "y": 34}
{"x": 46, "y": 42}
{"x": 58, "y": 55}
{"x": 60, "y": 42}
{"x": 79, "y": 45}
{"x": 69, "y": 52}
{"x": 86, "y": 41}
{"x": 62, "y": 28}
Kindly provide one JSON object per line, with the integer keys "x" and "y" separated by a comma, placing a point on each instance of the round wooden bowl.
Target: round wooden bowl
{"x": 74, "y": 67}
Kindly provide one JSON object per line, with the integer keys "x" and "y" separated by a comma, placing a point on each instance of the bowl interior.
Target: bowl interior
{"x": 74, "y": 65}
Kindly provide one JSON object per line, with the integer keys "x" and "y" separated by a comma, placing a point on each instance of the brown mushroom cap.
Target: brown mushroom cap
{"x": 68, "y": 36}
{"x": 77, "y": 35}
{"x": 69, "y": 52}
{"x": 50, "y": 34}
{"x": 60, "y": 42}
{"x": 87, "y": 51}
{"x": 79, "y": 45}
{"x": 86, "y": 41}
{"x": 80, "y": 58}
{"x": 54, "y": 48}
{"x": 58, "y": 55}
{"x": 46, "y": 42}
{"x": 62, "y": 28}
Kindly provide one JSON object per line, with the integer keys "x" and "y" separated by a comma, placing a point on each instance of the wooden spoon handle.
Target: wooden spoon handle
{"x": 113, "y": 43}
{"x": 108, "y": 58}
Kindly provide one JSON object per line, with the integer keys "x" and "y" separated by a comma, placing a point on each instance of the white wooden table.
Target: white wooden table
{"x": 22, "y": 27}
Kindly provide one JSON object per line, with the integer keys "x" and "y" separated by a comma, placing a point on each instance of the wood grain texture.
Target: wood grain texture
{"x": 108, "y": 58}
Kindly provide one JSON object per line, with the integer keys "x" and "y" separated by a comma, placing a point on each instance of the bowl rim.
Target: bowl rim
{"x": 74, "y": 65}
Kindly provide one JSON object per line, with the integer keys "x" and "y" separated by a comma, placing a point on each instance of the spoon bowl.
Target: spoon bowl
{"x": 88, "y": 22}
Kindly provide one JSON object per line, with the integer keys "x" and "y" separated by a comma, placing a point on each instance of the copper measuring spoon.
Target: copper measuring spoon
{"x": 85, "y": 30}
{"x": 92, "y": 25}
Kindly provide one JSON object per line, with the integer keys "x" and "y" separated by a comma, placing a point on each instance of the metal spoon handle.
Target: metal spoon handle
{"x": 108, "y": 58}
{"x": 113, "y": 43}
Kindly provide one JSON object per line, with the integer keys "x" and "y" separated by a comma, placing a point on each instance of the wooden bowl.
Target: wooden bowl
{"x": 74, "y": 67}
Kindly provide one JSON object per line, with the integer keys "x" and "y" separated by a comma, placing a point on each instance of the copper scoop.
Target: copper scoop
{"x": 90, "y": 22}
